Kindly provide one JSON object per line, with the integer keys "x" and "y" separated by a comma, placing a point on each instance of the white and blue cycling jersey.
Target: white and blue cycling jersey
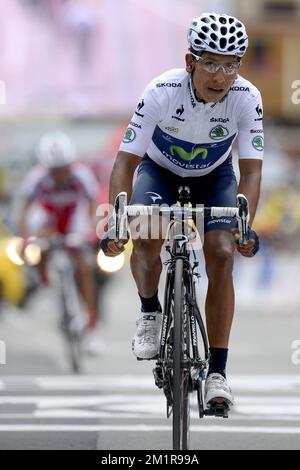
{"x": 192, "y": 138}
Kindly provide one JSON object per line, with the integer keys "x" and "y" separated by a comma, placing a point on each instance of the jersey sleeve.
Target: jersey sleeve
{"x": 149, "y": 112}
{"x": 29, "y": 189}
{"x": 250, "y": 128}
{"x": 90, "y": 185}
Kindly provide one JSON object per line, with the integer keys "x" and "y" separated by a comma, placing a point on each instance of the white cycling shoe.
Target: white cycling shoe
{"x": 217, "y": 391}
{"x": 145, "y": 343}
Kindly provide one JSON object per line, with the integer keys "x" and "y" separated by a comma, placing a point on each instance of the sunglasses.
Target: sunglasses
{"x": 211, "y": 66}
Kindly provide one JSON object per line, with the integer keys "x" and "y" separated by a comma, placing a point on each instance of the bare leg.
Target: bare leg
{"x": 219, "y": 253}
{"x": 146, "y": 266}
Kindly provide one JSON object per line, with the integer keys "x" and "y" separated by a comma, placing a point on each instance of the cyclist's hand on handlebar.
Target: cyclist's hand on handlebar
{"x": 112, "y": 248}
{"x": 252, "y": 246}
{"x": 109, "y": 245}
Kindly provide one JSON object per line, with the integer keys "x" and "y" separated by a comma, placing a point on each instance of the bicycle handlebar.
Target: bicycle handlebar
{"x": 136, "y": 210}
{"x": 122, "y": 211}
{"x": 57, "y": 241}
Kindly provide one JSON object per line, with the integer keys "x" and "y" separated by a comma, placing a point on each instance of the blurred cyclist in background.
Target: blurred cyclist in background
{"x": 58, "y": 197}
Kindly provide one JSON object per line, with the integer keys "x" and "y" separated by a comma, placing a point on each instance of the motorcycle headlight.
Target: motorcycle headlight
{"x": 32, "y": 253}
{"x": 110, "y": 264}
{"x": 18, "y": 255}
{"x": 14, "y": 251}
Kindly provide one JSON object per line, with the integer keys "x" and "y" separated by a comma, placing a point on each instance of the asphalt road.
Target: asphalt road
{"x": 115, "y": 405}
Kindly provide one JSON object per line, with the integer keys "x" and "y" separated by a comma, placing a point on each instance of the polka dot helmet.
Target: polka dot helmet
{"x": 221, "y": 34}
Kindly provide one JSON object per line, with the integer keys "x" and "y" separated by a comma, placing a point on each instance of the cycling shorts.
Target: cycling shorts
{"x": 156, "y": 185}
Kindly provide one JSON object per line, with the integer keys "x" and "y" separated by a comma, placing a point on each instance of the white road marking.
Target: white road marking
{"x": 138, "y": 399}
{"x": 75, "y": 414}
{"x": 62, "y": 401}
{"x": 143, "y": 405}
{"x": 248, "y": 383}
{"x": 241, "y": 383}
{"x": 146, "y": 428}
{"x": 156, "y": 415}
{"x": 135, "y": 399}
{"x": 123, "y": 382}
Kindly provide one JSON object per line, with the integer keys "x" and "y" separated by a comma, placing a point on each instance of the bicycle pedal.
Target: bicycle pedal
{"x": 219, "y": 407}
{"x": 147, "y": 358}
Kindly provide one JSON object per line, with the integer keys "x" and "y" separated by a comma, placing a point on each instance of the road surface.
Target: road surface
{"x": 115, "y": 404}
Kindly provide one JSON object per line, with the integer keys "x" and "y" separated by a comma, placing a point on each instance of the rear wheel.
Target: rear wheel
{"x": 181, "y": 405}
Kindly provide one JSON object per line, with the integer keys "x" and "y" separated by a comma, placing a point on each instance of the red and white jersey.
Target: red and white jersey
{"x": 61, "y": 203}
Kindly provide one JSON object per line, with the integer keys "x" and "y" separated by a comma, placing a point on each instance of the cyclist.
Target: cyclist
{"x": 182, "y": 134}
{"x": 58, "y": 197}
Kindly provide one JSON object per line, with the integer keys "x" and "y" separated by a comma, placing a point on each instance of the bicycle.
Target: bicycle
{"x": 73, "y": 322}
{"x": 179, "y": 368}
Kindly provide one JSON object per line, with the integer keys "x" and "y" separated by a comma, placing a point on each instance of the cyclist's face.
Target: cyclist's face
{"x": 60, "y": 175}
{"x": 211, "y": 87}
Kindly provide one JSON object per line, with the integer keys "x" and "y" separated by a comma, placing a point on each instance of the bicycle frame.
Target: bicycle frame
{"x": 181, "y": 365}
{"x": 180, "y": 250}
{"x": 73, "y": 321}
{"x": 179, "y": 368}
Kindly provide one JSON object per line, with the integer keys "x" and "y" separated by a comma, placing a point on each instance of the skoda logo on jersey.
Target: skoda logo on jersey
{"x": 222, "y": 120}
{"x": 239, "y": 88}
{"x": 218, "y": 132}
{"x": 170, "y": 85}
{"x": 191, "y": 96}
{"x": 188, "y": 156}
{"x": 129, "y": 136}
{"x": 258, "y": 143}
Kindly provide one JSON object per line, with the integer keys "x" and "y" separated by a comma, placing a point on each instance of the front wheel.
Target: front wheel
{"x": 73, "y": 324}
{"x": 181, "y": 406}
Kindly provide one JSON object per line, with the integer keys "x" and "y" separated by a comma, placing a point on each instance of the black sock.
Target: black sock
{"x": 151, "y": 304}
{"x": 217, "y": 361}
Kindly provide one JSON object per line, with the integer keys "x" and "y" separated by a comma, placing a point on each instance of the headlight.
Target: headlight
{"x": 14, "y": 251}
{"x": 110, "y": 264}
{"x": 32, "y": 253}
{"x": 18, "y": 255}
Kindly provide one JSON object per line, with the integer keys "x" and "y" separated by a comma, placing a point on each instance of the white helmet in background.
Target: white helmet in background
{"x": 221, "y": 34}
{"x": 55, "y": 150}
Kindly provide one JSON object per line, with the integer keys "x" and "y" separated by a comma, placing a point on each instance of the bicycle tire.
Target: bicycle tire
{"x": 75, "y": 355}
{"x": 180, "y": 375}
{"x": 73, "y": 339}
{"x": 202, "y": 330}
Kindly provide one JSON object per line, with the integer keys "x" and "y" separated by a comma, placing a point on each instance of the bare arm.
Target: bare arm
{"x": 250, "y": 171}
{"x": 122, "y": 175}
{"x": 121, "y": 180}
{"x": 250, "y": 180}
{"x": 22, "y": 222}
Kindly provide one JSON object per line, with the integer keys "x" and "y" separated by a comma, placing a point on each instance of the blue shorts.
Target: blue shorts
{"x": 156, "y": 185}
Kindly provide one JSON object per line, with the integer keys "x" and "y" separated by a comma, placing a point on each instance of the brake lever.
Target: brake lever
{"x": 120, "y": 217}
{"x": 243, "y": 218}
